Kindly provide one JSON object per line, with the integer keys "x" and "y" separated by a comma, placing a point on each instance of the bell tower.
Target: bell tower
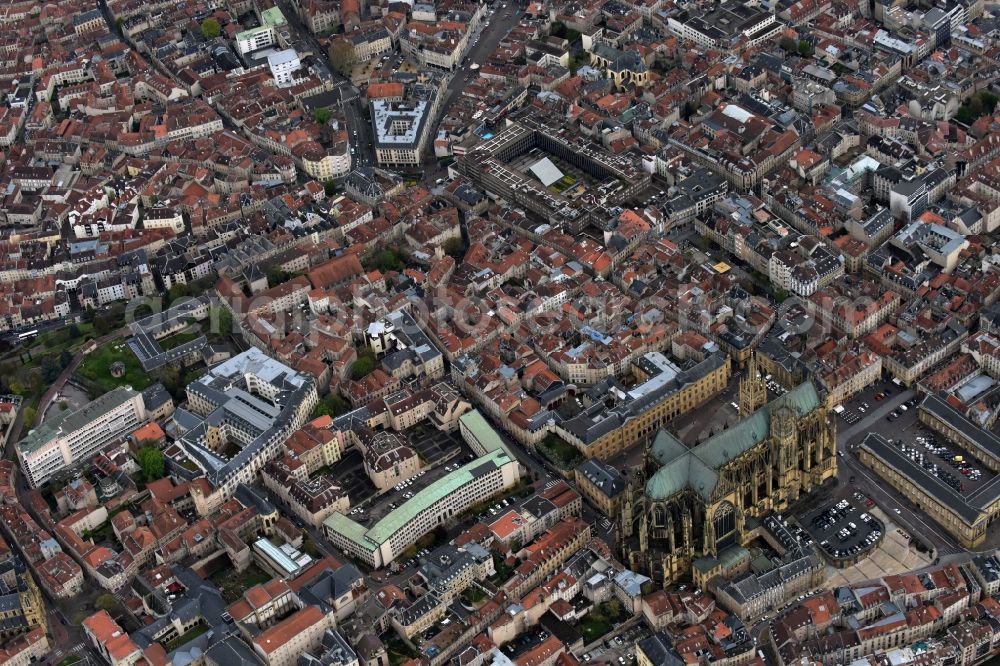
{"x": 753, "y": 390}
{"x": 784, "y": 434}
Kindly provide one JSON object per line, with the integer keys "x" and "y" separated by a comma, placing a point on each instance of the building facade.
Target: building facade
{"x": 72, "y": 438}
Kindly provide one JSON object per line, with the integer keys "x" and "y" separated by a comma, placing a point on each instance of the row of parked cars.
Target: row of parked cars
{"x": 917, "y": 456}
{"x": 956, "y": 460}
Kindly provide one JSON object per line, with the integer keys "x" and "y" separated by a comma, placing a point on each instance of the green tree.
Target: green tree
{"x": 342, "y": 56}
{"x": 101, "y": 326}
{"x": 989, "y": 101}
{"x": 173, "y": 381}
{"x": 330, "y": 187}
{"x": 29, "y": 417}
{"x": 321, "y": 410}
{"x": 277, "y": 275}
{"x": 222, "y": 324}
{"x": 150, "y": 460}
{"x": 975, "y": 106}
{"x": 362, "y": 367}
{"x": 387, "y": 260}
{"x": 177, "y": 291}
{"x": 454, "y": 248}
{"x": 66, "y": 357}
{"x": 36, "y": 381}
{"x": 16, "y": 387}
{"x": 787, "y": 44}
{"x": 805, "y": 48}
{"x": 109, "y": 603}
{"x": 74, "y": 331}
{"x": 210, "y": 28}
{"x": 50, "y": 370}
{"x": 322, "y": 115}
{"x": 310, "y": 548}
{"x": 336, "y": 404}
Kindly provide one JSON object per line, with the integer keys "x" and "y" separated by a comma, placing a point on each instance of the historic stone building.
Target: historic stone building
{"x": 689, "y": 507}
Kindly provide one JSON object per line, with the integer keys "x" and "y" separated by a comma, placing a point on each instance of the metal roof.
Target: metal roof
{"x": 697, "y": 468}
{"x": 396, "y": 520}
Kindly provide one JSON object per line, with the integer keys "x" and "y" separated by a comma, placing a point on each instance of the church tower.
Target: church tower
{"x": 753, "y": 389}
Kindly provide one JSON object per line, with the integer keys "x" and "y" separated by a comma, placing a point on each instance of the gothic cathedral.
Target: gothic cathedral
{"x": 689, "y": 506}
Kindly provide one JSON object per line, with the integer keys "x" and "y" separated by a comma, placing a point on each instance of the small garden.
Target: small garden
{"x": 232, "y": 584}
{"x": 186, "y": 638}
{"x": 601, "y": 619}
{"x": 560, "y": 453}
{"x": 96, "y": 367}
{"x": 563, "y": 184}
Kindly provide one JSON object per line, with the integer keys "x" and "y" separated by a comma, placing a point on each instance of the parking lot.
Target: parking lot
{"x": 944, "y": 460}
{"x": 901, "y": 410}
{"x": 895, "y": 554}
{"x": 441, "y": 453}
{"x": 619, "y": 649}
{"x": 350, "y": 473}
{"x": 855, "y": 410}
{"x": 436, "y": 447}
{"x": 845, "y": 530}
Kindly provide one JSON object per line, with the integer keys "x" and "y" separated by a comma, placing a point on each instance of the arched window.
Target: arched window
{"x": 724, "y": 524}
{"x": 659, "y": 516}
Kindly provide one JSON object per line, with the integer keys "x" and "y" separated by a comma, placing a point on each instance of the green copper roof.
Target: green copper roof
{"x": 68, "y": 422}
{"x": 666, "y": 447}
{"x": 484, "y": 433}
{"x": 728, "y": 559}
{"x": 684, "y": 472}
{"x": 697, "y": 469}
{"x": 395, "y": 520}
{"x": 272, "y": 17}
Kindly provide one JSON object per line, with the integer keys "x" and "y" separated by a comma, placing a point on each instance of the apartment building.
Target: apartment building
{"x": 488, "y": 475}
{"x": 72, "y": 438}
{"x": 282, "y": 644}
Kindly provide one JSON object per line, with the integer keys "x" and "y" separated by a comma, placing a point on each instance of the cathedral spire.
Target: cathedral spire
{"x": 753, "y": 390}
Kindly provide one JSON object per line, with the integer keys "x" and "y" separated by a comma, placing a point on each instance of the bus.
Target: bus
{"x": 27, "y": 335}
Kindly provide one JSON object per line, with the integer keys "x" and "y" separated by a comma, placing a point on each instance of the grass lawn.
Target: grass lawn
{"x": 233, "y": 584}
{"x": 399, "y": 651}
{"x": 593, "y": 629}
{"x": 565, "y": 183}
{"x": 72, "y": 659}
{"x": 96, "y": 367}
{"x": 177, "y": 339}
{"x": 561, "y": 453}
{"x": 473, "y": 595}
{"x": 186, "y": 638}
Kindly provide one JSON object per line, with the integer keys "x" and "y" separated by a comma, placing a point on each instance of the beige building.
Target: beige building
{"x": 625, "y": 68}
{"x": 601, "y": 484}
{"x": 589, "y": 431}
{"x": 488, "y": 475}
{"x": 966, "y": 517}
{"x": 301, "y": 632}
{"x": 387, "y": 457}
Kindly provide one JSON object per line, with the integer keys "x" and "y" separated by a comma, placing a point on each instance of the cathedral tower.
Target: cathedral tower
{"x": 753, "y": 389}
